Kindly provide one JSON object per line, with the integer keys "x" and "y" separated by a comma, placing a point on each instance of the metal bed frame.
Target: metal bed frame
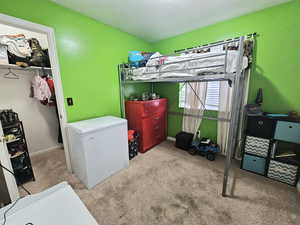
{"x": 236, "y": 81}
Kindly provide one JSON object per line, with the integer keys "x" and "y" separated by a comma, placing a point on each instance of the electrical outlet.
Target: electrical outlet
{"x": 70, "y": 101}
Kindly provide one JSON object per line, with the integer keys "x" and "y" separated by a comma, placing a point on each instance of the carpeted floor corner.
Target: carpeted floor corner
{"x": 168, "y": 186}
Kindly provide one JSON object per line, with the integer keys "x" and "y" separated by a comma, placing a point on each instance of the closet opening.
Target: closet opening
{"x": 32, "y": 112}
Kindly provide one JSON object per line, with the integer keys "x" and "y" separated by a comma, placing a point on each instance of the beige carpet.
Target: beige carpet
{"x": 169, "y": 186}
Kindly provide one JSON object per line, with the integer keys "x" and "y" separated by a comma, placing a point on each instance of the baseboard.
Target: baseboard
{"x": 45, "y": 150}
{"x": 171, "y": 139}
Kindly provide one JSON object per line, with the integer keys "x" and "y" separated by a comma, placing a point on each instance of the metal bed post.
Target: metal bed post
{"x": 243, "y": 117}
{"x": 122, "y": 90}
{"x": 235, "y": 112}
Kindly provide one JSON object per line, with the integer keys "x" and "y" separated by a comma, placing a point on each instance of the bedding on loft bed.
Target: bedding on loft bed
{"x": 159, "y": 67}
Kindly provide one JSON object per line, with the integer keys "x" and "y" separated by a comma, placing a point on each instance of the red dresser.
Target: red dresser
{"x": 149, "y": 118}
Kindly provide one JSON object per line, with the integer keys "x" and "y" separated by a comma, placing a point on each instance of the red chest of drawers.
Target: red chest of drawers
{"x": 149, "y": 118}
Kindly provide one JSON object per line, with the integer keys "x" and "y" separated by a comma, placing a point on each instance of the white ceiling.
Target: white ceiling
{"x": 154, "y": 20}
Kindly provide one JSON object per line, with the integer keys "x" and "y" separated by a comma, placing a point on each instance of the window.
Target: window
{"x": 212, "y": 95}
{"x": 181, "y": 95}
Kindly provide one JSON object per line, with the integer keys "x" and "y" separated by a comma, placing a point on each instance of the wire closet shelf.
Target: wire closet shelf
{"x": 236, "y": 79}
{"x": 29, "y": 68}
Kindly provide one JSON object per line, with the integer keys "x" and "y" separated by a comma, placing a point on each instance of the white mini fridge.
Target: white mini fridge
{"x": 98, "y": 148}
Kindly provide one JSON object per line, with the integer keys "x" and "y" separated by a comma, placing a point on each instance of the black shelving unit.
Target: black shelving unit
{"x": 18, "y": 151}
{"x": 266, "y": 138}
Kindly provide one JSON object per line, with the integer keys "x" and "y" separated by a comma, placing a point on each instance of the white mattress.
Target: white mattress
{"x": 232, "y": 57}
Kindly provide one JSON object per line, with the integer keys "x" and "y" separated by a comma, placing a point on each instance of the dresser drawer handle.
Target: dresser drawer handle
{"x": 290, "y": 126}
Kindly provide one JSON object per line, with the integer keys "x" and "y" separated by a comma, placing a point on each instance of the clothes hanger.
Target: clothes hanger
{"x": 11, "y": 75}
{"x": 44, "y": 74}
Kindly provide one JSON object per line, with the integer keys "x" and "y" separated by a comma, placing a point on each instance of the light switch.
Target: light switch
{"x": 70, "y": 101}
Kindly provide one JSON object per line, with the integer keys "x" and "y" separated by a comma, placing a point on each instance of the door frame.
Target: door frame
{"x": 49, "y": 32}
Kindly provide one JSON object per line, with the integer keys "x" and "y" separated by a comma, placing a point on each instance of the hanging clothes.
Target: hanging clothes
{"x": 41, "y": 90}
{"x": 50, "y": 83}
{"x": 52, "y": 100}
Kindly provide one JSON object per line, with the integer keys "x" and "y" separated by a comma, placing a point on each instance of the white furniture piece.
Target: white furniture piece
{"x": 58, "y": 205}
{"x": 99, "y": 148}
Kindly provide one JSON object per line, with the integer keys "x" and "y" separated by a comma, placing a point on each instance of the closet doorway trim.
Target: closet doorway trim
{"x": 49, "y": 32}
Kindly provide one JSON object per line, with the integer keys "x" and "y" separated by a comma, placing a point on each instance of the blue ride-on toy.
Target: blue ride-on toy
{"x": 205, "y": 147}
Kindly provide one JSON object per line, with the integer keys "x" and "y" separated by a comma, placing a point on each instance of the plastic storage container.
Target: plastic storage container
{"x": 283, "y": 172}
{"x": 257, "y": 146}
{"x": 254, "y": 164}
{"x": 260, "y": 126}
{"x": 288, "y": 131}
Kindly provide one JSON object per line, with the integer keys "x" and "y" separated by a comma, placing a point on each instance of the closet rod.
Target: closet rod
{"x": 199, "y": 116}
{"x": 15, "y": 67}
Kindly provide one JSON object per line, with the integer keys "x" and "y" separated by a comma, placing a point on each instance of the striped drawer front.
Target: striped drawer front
{"x": 257, "y": 146}
{"x": 283, "y": 172}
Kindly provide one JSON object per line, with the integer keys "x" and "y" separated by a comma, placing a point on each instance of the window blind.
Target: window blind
{"x": 182, "y": 95}
{"x": 212, "y": 95}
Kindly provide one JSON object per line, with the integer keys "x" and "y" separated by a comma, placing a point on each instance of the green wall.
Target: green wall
{"x": 88, "y": 51}
{"x": 277, "y": 68}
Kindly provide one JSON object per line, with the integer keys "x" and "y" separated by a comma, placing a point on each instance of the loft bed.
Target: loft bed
{"x": 228, "y": 60}
{"x": 207, "y": 62}
{"x": 188, "y": 65}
